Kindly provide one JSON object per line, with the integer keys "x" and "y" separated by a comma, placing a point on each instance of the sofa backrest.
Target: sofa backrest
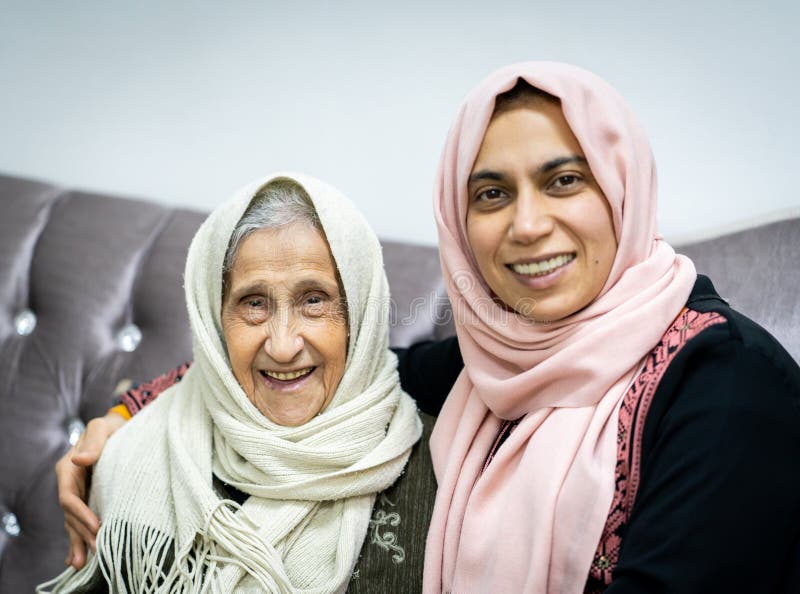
{"x": 757, "y": 271}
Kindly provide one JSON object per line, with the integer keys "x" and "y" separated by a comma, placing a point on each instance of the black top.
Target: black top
{"x": 428, "y": 370}
{"x": 718, "y": 506}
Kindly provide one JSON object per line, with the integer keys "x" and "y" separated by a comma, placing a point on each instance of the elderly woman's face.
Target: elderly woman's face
{"x": 537, "y": 222}
{"x": 285, "y": 322}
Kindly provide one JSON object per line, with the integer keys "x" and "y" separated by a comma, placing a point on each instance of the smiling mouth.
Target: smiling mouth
{"x": 287, "y": 376}
{"x": 542, "y": 267}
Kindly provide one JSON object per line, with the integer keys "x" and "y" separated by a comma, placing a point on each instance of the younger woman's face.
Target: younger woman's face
{"x": 538, "y": 224}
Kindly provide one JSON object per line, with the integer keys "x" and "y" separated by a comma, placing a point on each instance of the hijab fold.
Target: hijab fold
{"x": 312, "y": 487}
{"x": 532, "y": 520}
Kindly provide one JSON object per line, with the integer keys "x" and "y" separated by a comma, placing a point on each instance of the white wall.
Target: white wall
{"x": 185, "y": 101}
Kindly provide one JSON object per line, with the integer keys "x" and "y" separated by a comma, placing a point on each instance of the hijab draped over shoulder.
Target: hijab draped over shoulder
{"x": 311, "y": 487}
{"x": 531, "y": 520}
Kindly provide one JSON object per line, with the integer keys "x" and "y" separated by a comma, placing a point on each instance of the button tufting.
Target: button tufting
{"x": 25, "y": 322}
{"x": 10, "y": 524}
{"x": 74, "y": 429}
{"x": 129, "y": 337}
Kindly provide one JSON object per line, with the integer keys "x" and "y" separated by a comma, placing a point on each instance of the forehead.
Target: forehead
{"x": 532, "y": 129}
{"x": 291, "y": 252}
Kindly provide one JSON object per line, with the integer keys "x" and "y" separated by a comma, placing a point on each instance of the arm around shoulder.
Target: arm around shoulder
{"x": 428, "y": 371}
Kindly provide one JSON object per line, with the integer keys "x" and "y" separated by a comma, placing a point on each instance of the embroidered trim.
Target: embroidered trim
{"x": 140, "y": 396}
{"x": 632, "y": 414}
{"x": 388, "y": 539}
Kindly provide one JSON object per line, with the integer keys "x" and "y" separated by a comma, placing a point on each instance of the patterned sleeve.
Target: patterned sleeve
{"x": 140, "y": 396}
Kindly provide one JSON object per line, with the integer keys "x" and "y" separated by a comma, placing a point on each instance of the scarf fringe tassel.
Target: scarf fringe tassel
{"x": 133, "y": 560}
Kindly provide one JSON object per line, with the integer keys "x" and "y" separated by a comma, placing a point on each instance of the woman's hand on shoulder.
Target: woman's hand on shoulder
{"x": 72, "y": 474}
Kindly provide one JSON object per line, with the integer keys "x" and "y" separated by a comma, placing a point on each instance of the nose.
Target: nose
{"x": 531, "y": 218}
{"x": 284, "y": 341}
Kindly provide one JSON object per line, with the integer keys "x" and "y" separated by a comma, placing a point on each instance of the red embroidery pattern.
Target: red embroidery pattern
{"x": 140, "y": 396}
{"x": 632, "y": 415}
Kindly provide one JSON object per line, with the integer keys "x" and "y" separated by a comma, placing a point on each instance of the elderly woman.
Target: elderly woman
{"x": 292, "y": 406}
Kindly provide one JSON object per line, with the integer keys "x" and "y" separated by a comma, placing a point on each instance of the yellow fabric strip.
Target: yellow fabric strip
{"x": 122, "y": 411}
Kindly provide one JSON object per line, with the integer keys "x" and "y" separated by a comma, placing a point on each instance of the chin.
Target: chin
{"x": 291, "y": 418}
{"x": 290, "y": 422}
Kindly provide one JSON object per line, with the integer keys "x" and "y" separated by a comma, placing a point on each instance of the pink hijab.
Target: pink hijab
{"x": 531, "y": 521}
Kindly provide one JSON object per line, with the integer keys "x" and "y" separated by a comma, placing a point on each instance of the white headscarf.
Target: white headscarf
{"x": 312, "y": 487}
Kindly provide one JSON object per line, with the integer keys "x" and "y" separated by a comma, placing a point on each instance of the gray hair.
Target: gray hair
{"x": 279, "y": 203}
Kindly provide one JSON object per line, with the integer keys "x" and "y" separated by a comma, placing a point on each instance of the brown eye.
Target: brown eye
{"x": 256, "y": 309}
{"x": 566, "y": 180}
{"x": 489, "y": 195}
{"x": 566, "y": 184}
{"x": 315, "y": 304}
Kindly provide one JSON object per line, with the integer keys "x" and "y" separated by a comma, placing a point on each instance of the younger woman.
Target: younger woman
{"x": 616, "y": 423}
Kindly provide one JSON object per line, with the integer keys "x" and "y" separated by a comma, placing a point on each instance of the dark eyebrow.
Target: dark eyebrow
{"x": 555, "y": 163}
{"x": 250, "y": 289}
{"x": 485, "y": 174}
{"x": 312, "y": 284}
{"x": 303, "y": 285}
{"x": 548, "y": 166}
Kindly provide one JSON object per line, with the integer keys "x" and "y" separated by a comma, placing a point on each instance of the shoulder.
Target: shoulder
{"x": 749, "y": 339}
{"x": 720, "y": 364}
{"x": 725, "y": 344}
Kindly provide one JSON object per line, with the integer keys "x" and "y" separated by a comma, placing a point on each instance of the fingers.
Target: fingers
{"x": 87, "y": 451}
{"x": 72, "y": 474}
{"x": 77, "y": 550}
{"x": 80, "y": 522}
{"x": 84, "y": 458}
{"x": 80, "y": 518}
{"x": 71, "y": 481}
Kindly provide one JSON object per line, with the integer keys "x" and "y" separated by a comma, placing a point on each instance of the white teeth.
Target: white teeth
{"x": 287, "y": 376}
{"x": 537, "y": 268}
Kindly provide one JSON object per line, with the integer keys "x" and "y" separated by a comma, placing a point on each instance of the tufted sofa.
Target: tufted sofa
{"x": 90, "y": 294}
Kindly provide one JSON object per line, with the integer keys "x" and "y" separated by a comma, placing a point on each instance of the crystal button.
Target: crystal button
{"x": 25, "y": 322}
{"x": 74, "y": 429}
{"x": 10, "y": 524}
{"x": 129, "y": 338}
